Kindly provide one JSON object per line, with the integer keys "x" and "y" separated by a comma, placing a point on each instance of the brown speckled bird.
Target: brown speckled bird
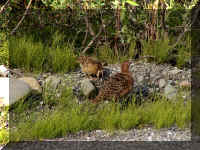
{"x": 90, "y": 66}
{"x": 117, "y": 85}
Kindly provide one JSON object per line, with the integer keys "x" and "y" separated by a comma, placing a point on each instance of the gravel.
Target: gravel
{"x": 145, "y": 134}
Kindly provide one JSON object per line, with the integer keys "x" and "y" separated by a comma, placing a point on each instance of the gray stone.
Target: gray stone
{"x": 161, "y": 83}
{"x": 175, "y": 71}
{"x": 87, "y": 87}
{"x": 53, "y": 81}
{"x": 152, "y": 75}
{"x": 4, "y": 91}
{"x": 170, "y": 92}
{"x": 17, "y": 89}
{"x": 4, "y": 71}
{"x": 140, "y": 79}
{"x": 32, "y": 82}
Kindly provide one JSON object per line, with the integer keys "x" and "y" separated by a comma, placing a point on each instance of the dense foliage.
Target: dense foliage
{"x": 157, "y": 28}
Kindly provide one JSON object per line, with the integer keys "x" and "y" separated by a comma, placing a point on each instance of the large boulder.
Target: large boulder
{"x": 18, "y": 89}
{"x": 32, "y": 82}
{"x": 13, "y": 90}
{"x": 3, "y": 71}
{"x": 4, "y": 91}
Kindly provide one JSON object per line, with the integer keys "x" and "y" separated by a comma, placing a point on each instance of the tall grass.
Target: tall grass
{"x": 4, "y": 131}
{"x": 162, "y": 51}
{"x": 70, "y": 117}
{"x": 105, "y": 53}
{"x": 159, "y": 49}
{"x": 33, "y": 55}
{"x": 4, "y": 53}
{"x": 184, "y": 51}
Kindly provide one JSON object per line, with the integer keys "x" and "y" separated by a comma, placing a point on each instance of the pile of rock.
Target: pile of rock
{"x": 148, "y": 78}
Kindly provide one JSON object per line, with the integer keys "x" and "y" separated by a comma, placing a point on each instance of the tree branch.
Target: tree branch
{"x": 25, "y": 13}
{"x": 87, "y": 29}
{"x": 4, "y": 6}
{"x": 88, "y": 25}
{"x": 92, "y": 41}
{"x": 186, "y": 28}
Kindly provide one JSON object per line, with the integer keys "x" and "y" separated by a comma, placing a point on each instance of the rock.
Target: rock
{"x": 87, "y": 87}
{"x": 140, "y": 79}
{"x": 12, "y": 90}
{"x": 32, "y": 82}
{"x": 175, "y": 71}
{"x": 17, "y": 89}
{"x": 4, "y": 71}
{"x": 185, "y": 84}
{"x": 53, "y": 81}
{"x": 4, "y": 94}
{"x": 161, "y": 83}
{"x": 170, "y": 92}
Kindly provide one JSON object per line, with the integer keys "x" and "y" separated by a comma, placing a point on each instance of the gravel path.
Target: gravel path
{"x": 145, "y": 134}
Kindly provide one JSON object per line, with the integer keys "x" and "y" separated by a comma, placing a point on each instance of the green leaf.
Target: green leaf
{"x": 132, "y": 3}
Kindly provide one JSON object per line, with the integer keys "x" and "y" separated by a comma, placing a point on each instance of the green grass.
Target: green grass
{"x": 162, "y": 51}
{"x": 4, "y": 132}
{"x": 196, "y": 114}
{"x": 159, "y": 49}
{"x": 4, "y": 53}
{"x": 105, "y": 53}
{"x": 66, "y": 116}
{"x": 33, "y": 55}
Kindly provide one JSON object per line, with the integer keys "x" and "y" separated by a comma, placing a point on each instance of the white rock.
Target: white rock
{"x": 161, "y": 83}
{"x": 175, "y": 71}
{"x": 17, "y": 89}
{"x": 4, "y": 71}
{"x": 53, "y": 81}
{"x": 87, "y": 87}
{"x": 170, "y": 92}
{"x": 140, "y": 79}
{"x": 12, "y": 90}
{"x": 32, "y": 82}
{"x": 4, "y": 91}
